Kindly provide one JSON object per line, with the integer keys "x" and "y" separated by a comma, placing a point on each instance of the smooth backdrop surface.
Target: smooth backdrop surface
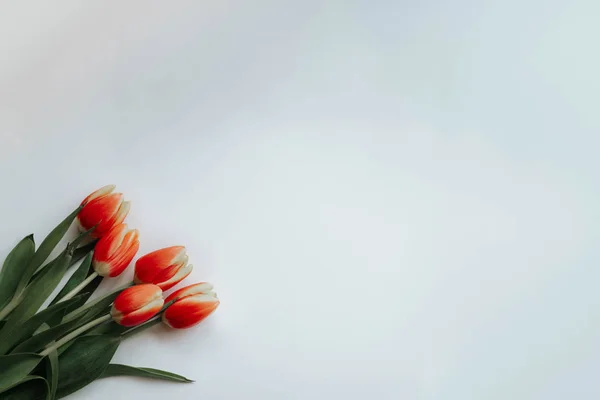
{"x": 394, "y": 199}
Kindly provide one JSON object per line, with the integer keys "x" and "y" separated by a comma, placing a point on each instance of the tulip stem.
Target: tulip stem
{"x": 74, "y": 334}
{"x": 79, "y": 287}
{"x": 11, "y": 306}
{"x": 74, "y": 314}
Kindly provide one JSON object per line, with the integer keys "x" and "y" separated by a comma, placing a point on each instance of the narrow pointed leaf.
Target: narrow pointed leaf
{"x": 52, "y": 375}
{"x": 14, "y": 269}
{"x": 32, "y": 387}
{"x": 83, "y": 251}
{"x": 50, "y": 242}
{"x": 152, "y": 373}
{"x": 109, "y": 328}
{"x": 39, "y": 289}
{"x": 39, "y": 341}
{"x": 14, "y": 368}
{"x": 11, "y": 334}
{"x": 84, "y": 362}
{"x": 75, "y": 279}
{"x": 70, "y": 249}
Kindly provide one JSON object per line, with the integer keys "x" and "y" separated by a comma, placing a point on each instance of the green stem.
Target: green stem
{"x": 11, "y": 306}
{"x": 79, "y": 287}
{"x": 74, "y": 314}
{"x": 74, "y": 334}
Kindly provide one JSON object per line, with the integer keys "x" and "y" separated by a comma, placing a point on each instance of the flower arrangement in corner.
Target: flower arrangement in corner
{"x": 50, "y": 353}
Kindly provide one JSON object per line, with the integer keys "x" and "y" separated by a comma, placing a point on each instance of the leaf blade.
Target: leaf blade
{"x": 52, "y": 375}
{"x": 14, "y": 267}
{"x": 15, "y": 367}
{"x": 40, "y": 288}
{"x": 50, "y": 242}
{"x": 12, "y": 334}
{"x": 152, "y": 373}
{"x": 85, "y": 361}
{"x": 33, "y": 387}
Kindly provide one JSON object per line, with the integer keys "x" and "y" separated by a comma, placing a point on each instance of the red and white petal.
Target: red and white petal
{"x": 123, "y": 258}
{"x": 191, "y": 290}
{"x": 135, "y": 297}
{"x": 103, "y": 191}
{"x": 169, "y": 271}
{"x": 152, "y": 264}
{"x": 139, "y": 316}
{"x": 98, "y": 212}
{"x": 181, "y": 274}
{"x": 109, "y": 243}
{"x": 116, "y": 218}
{"x": 189, "y": 311}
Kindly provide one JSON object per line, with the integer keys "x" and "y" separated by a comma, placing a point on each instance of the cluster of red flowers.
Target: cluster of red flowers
{"x": 158, "y": 271}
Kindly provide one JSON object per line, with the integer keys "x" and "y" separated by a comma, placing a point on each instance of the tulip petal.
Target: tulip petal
{"x": 189, "y": 311}
{"x": 136, "y": 297}
{"x": 103, "y": 191}
{"x": 158, "y": 266}
{"x": 115, "y": 251}
{"x": 142, "y": 315}
{"x": 191, "y": 290}
{"x": 100, "y": 212}
{"x": 181, "y": 274}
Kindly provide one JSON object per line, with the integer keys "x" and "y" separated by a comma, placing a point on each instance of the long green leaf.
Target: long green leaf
{"x": 15, "y": 367}
{"x": 40, "y": 340}
{"x": 14, "y": 268}
{"x": 32, "y": 387}
{"x": 84, "y": 362}
{"x": 50, "y": 243}
{"x": 127, "y": 370}
{"x": 39, "y": 290}
{"x": 75, "y": 279}
{"x": 13, "y": 333}
{"x": 79, "y": 276}
{"x": 52, "y": 375}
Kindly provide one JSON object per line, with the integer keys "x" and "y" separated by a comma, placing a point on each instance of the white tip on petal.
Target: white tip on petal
{"x": 178, "y": 277}
{"x": 180, "y": 258}
{"x": 103, "y": 191}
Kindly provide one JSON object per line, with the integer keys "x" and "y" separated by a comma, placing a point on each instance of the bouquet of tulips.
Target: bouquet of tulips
{"x": 48, "y": 353}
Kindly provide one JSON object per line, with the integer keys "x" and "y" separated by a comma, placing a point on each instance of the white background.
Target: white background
{"x": 394, "y": 199}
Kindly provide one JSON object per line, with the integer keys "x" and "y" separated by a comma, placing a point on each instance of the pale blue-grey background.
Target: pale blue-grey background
{"x": 394, "y": 199}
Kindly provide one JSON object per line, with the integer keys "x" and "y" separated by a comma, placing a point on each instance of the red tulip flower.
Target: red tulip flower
{"x": 137, "y": 304}
{"x": 192, "y": 304}
{"x": 115, "y": 250}
{"x": 165, "y": 267}
{"x": 103, "y": 209}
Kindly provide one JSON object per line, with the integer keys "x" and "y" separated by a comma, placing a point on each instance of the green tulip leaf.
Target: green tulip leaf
{"x": 85, "y": 361}
{"x": 152, "y": 373}
{"x": 40, "y": 340}
{"x": 78, "y": 277}
{"x": 15, "y": 367}
{"x": 14, "y": 269}
{"x": 49, "y": 243}
{"x": 13, "y": 333}
{"x": 52, "y": 375}
{"x": 32, "y": 387}
{"x": 40, "y": 288}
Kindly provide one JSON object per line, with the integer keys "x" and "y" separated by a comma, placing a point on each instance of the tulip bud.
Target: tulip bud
{"x": 103, "y": 209}
{"x": 137, "y": 304}
{"x": 192, "y": 304}
{"x": 115, "y": 250}
{"x": 165, "y": 267}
